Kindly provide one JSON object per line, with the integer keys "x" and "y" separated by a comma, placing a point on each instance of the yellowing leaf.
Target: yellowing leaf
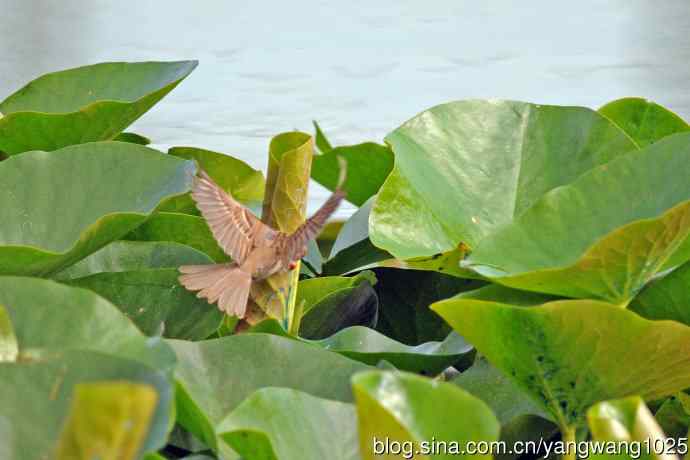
{"x": 107, "y": 420}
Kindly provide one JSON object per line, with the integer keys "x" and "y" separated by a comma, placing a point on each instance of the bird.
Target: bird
{"x": 257, "y": 251}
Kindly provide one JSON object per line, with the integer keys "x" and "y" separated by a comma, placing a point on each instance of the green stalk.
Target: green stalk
{"x": 568, "y": 436}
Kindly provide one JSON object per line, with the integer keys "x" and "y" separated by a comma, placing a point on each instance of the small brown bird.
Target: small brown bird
{"x": 257, "y": 250}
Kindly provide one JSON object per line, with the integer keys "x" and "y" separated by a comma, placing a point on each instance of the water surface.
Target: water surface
{"x": 360, "y": 67}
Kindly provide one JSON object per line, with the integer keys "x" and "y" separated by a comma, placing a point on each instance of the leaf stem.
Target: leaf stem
{"x": 294, "y": 315}
{"x": 569, "y": 439}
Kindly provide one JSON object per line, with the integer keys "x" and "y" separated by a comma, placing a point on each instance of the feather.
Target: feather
{"x": 226, "y": 284}
{"x": 232, "y": 225}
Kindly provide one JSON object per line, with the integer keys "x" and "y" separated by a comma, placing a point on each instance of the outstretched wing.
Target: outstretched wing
{"x": 296, "y": 244}
{"x": 233, "y": 226}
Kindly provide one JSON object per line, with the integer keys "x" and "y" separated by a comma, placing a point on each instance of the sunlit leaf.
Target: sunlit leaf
{"x": 49, "y": 317}
{"x": 58, "y": 207}
{"x": 644, "y": 121}
{"x": 570, "y": 354}
{"x": 464, "y": 169}
{"x": 215, "y": 376}
{"x": 35, "y": 399}
{"x": 85, "y": 104}
{"x": 107, "y": 420}
{"x": 603, "y": 236}
{"x": 405, "y": 408}
{"x": 156, "y": 302}
{"x": 284, "y": 424}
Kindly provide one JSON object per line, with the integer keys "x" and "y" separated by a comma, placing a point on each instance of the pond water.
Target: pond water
{"x": 360, "y": 67}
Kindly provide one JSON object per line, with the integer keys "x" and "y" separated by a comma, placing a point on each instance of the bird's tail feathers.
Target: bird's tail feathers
{"x": 226, "y": 284}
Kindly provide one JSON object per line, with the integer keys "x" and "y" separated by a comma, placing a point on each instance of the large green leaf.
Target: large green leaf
{"x": 156, "y": 302}
{"x": 49, "y": 317}
{"x": 215, "y": 376}
{"x": 122, "y": 256}
{"x": 404, "y": 408}
{"x": 466, "y": 168}
{"x": 605, "y": 235}
{"x": 107, "y": 420}
{"x": 140, "y": 278}
{"x": 58, "y": 207}
{"x": 570, "y": 354}
{"x": 284, "y": 424}
{"x": 35, "y": 399}
{"x": 368, "y": 165}
{"x": 667, "y": 297}
{"x": 179, "y": 228}
{"x": 92, "y": 103}
{"x": 236, "y": 177}
{"x": 644, "y": 121}
{"x": 353, "y": 251}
